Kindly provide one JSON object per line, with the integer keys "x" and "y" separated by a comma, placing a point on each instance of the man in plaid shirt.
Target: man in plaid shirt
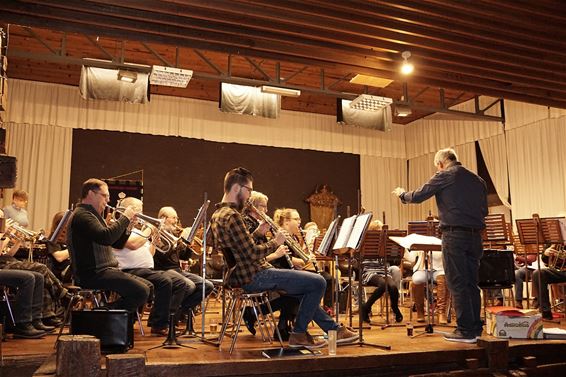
{"x": 254, "y": 274}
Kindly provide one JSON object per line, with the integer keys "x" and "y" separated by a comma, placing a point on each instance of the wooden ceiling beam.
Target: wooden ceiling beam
{"x": 520, "y": 74}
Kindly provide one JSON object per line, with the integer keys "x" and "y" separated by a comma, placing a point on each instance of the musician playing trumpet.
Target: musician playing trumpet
{"x": 170, "y": 262}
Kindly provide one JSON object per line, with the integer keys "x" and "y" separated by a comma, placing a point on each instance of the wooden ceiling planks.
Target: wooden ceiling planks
{"x": 508, "y": 49}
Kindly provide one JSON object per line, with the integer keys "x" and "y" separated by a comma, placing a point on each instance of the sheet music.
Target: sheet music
{"x": 360, "y": 225}
{"x": 408, "y": 241}
{"x": 325, "y": 244}
{"x": 344, "y": 233}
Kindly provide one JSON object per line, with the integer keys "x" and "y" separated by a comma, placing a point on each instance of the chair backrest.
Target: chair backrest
{"x": 231, "y": 263}
{"x": 496, "y": 233}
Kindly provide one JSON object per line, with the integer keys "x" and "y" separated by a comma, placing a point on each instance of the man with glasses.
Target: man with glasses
{"x": 254, "y": 274}
{"x": 90, "y": 242}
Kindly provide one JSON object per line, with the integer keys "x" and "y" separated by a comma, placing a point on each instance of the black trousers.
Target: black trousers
{"x": 29, "y": 297}
{"x": 133, "y": 290}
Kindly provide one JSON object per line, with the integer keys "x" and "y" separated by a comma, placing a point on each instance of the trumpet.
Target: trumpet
{"x": 165, "y": 241}
{"x": 16, "y": 232}
{"x": 556, "y": 257}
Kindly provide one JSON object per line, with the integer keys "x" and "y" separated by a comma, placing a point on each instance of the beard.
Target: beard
{"x": 240, "y": 201}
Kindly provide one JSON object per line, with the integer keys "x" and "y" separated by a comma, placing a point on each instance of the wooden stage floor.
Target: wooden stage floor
{"x": 421, "y": 355}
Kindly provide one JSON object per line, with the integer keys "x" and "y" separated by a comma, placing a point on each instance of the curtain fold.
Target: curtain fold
{"x": 379, "y": 176}
{"x": 537, "y": 165}
{"x": 494, "y": 152}
{"x": 44, "y": 169}
{"x": 62, "y": 106}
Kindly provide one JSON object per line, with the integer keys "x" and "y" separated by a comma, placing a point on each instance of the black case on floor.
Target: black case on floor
{"x": 114, "y": 328}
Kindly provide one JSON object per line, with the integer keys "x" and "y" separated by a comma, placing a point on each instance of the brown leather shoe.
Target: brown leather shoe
{"x": 159, "y": 331}
{"x": 344, "y": 335}
{"x": 298, "y": 340}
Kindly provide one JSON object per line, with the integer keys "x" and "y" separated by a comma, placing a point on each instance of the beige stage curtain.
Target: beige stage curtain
{"x": 62, "y": 106}
{"x": 494, "y": 152}
{"x": 537, "y": 168}
{"x": 44, "y": 168}
{"x": 519, "y": 114}
{"x": 379, "y": 176}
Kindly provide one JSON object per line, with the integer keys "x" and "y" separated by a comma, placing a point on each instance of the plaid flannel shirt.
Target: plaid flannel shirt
{"x": 230, "y": 232}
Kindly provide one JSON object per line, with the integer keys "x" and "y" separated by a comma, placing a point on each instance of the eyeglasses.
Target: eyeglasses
{"x": 107, "y": 196}
{"x": 250, "y": 189}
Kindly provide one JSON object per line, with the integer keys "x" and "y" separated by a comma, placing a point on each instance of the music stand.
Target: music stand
{"x": 349, "y": 239}
{"x": 200, "y": 219}
{"x": 495, "y": 236}
{"x": 324, "y": 249}
{"x": 429, "y": 228}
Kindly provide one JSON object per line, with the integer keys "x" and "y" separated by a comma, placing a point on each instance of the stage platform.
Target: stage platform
{"x": 426, "y": 355}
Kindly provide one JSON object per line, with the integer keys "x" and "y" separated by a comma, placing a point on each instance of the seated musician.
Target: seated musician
{"x": 136, "y": 258}
{"x": 436, "y": 275}
{"x": 53, "y": 290}
{"x": 17, "y": 210}
{"x": 170, "y": 261}
{"x": 290, "y": 220}
{"x": 253, "y": 274}
{"x": 90, "y": 242}
{"x": 373, "y": 274}
{"x": 554, "y": 273}
{"x": 59, "y": 262}
{"x": 287, "y": 305}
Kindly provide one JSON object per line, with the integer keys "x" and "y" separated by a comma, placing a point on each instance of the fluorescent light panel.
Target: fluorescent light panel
{"x": 370, "y": 103}
{"x": 281, "y": 91}
{"x": 378, "y": 82}
{"x": 169, "y": 76}
{"x": 127, "y": 76}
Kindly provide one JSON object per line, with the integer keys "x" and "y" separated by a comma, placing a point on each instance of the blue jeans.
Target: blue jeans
{"x": 461, "y": 252}
{"x": 308, "y": 287}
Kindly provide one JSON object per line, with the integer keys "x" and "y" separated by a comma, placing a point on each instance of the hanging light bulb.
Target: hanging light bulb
{"x": 407, "y": 68}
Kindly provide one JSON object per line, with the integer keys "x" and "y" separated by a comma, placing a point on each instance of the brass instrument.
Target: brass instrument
{"x": 18, "y": 233}
{"x": 142, "y": 221}
{"x": 556, "y": 257}
{"x": 289, "y": 242}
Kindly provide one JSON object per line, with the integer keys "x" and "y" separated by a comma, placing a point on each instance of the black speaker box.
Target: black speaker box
{"x": 114, "y": 328}
{"x": 497, "y": 269}
{"x": 7, "y": 171}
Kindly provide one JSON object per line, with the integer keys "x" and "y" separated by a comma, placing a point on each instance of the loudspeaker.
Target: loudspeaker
{"x": 7, "y": 171}
{"x": 497, "y": 269}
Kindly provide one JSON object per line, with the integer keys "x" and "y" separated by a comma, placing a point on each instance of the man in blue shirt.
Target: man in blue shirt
{"x": 461, "y": 197}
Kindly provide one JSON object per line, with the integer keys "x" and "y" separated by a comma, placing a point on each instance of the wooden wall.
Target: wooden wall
{"x": 178, "y": 171}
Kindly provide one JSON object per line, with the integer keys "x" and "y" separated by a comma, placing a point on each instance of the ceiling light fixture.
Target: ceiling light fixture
{"x": 402, "y": 110}
{"x": 127, "y": 76}
{"x": 169, "y": 76}
{"x": 370, "y": 103}
{"x": 281, "y": 91}
{"x": 407, "y": 68}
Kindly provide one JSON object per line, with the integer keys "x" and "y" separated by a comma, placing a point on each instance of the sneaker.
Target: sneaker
{"x": 458, "y": 336}
{"x": 27, "y": 331}
{"x": 298, "y": 340}
{"x": 344, "y": 335}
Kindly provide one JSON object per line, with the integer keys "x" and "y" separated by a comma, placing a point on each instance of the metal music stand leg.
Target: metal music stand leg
{"x": 429, "y": 327}
{"x": 361, "y": 341}
{"x": 202, "y": 338}
{"x": 171, "y": 341}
